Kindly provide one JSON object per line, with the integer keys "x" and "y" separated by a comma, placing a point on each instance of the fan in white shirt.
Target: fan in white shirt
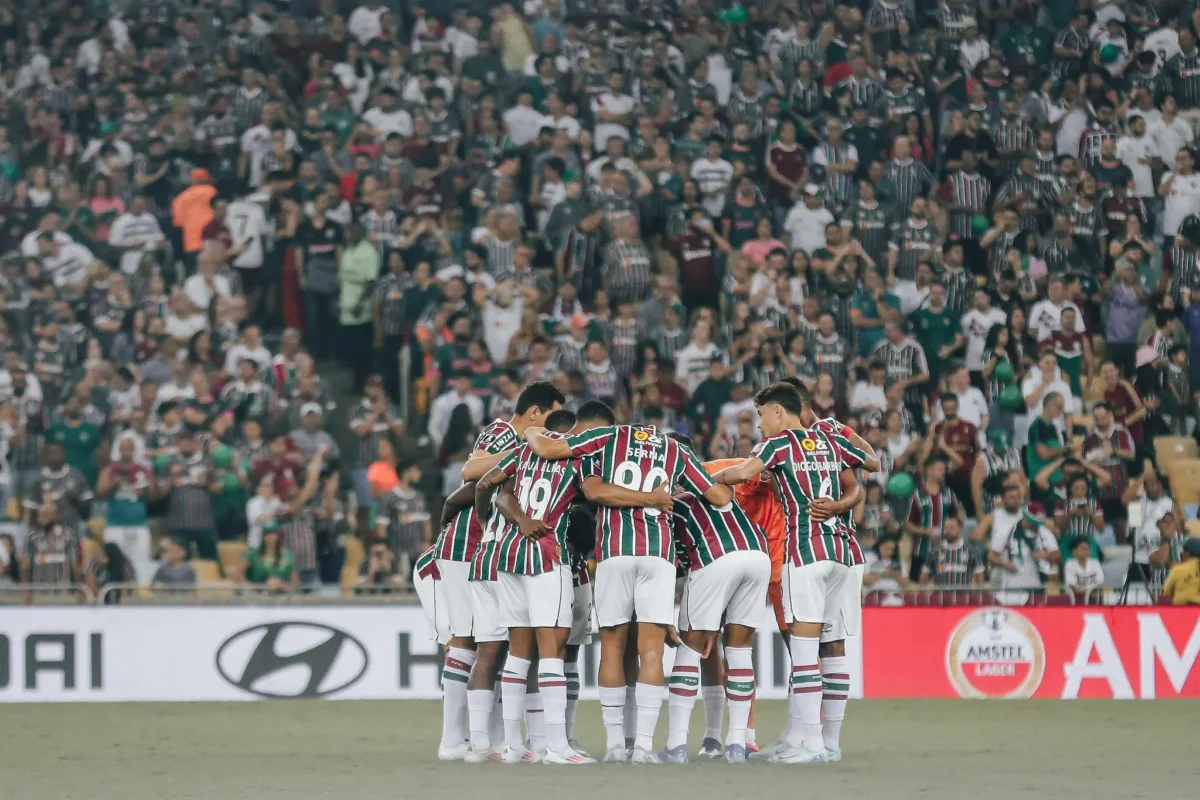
{"x": 1181, "y": 192}
{"x": 1046, "y": 315}
{"x": 365, "y": 22}
{"x": 807, "y": 220}
{"x": 1043, "y": 379}
{"x": 975, "y": 326}
{"x": 1137, "y": 151}
{"x": 1170, "y": 133}
{"x": 972, "y": 405}
{"x": 612, "y": 110}
{"x": 135, "y": 233}
{"x": 1082, "y": 574}
{"x": 714, "y": 175}
{"x": 66, "y": 264}
{"x": 387, "y": 118}
{"x": 523, "y": 121}
{"x": 248, "y": 227}
{"x": 256, "y": 143}
{"x": 200, "y": 289}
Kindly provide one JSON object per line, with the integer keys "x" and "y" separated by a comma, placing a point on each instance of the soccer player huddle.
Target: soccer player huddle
{"x": 508, "y": 591}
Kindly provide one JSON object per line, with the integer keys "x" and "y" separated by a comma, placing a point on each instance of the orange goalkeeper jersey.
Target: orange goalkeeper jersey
{"x": 757, "y": 499}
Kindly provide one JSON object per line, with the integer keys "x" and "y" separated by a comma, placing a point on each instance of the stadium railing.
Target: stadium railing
{"x": 231, "y": 593}
{"x": 992, "y": 596}
{"x": 46, "y": 594}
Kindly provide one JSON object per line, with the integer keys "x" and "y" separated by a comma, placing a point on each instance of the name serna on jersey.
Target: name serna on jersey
{"x": 704, "y": 532}
{"x": 545, "y": 491}
{"x": 807, "y": 464}
{"x": 459, "y": 540}
{"x": 639, "y": 458}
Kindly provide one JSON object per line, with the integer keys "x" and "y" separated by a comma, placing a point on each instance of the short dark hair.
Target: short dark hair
{"x": 799, "y": 386}
{"x": 949, "y": 396}
{"x": 682, "y": 438}
{"x": 596, "y": 411}
{"x": 560, "y": 421}
{"x": 785, "y": 394}
{"x": 541, "y": 394}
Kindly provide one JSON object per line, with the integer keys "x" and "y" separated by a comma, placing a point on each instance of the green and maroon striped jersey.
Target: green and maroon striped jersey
{"x": 459, "y": 540}
{"x": 704, "y": 532}
{"x": 426, "y": 565}
{"x": 545, "y": 490}
{"x": 639, "y": 458}
{"x": 807, "y": 464}
{"x": 927, "y": 511}
{"x": 832, "y": 426}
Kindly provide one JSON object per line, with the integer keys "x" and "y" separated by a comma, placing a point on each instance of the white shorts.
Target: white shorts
{"x": 734, "y": 587}
{"x": 813, "y": 593}
{"x": 581, "y": 616}
{"x": 535, "y": 601}
{"x": 429, "y": 594}
{"x": 629, "y": 585}
{"x": 849, "y": 621}
{"x": 487, "y": 626}
{"x": 456, "y": 594}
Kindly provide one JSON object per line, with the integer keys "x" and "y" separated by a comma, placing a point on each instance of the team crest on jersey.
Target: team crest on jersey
{"x": 995, "y": 653}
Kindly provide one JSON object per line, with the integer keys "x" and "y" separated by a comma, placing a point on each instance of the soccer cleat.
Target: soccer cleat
{"x": 454, "y": 753}
{"x": 643, "y": 756}
{"x": 514, "y": 755}
{"x": 617, "y": 755}
{"x": 833, "y": 754}
{"x": 799, "y": 755}
{"x": 711, "y": 749}
{"x": 534, "y": 756}
{"x": 735, "y": 754}
{"x": 481, "y": 757}
{"x": 766, "y": 752}
{"x": 674, "y": 755}
{"x": 576, "y": 747}
{"x": 751, "y": 749}
{"x": 549, "y": 756}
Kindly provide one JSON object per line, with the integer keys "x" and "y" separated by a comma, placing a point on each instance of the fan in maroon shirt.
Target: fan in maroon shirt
{"x": 1119, "y": 206}
{"x": 788, "y": 160}
{"x": 693, "y": 252}
{"x": 1123, "y": 399}
{"x": 961, "y": 437}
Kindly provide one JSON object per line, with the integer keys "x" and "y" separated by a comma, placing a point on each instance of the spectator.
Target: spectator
{"x": 271, "y": 565}
{"x": 109, "y": 566}
{"x": 51, "y": 550}
{"x": 377, "y": 573}
{"x": 1183, "y": 584}
{"x": 126, "y": 485}
{"x": 1082, "y": 574}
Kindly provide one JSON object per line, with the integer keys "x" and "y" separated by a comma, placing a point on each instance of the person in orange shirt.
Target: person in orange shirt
{"x": 191, "y": 211}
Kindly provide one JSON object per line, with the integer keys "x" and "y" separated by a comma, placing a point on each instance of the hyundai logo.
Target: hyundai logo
{"x": 292, "y": 659}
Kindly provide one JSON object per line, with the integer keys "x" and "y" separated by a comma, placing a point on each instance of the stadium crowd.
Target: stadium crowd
{"x": 269, "y": 267}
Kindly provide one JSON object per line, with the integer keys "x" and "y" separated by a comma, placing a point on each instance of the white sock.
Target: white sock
{"x": 552, "y": 684}
{"x": 535, "y": 721}
{"x": 681, "y": 698}
{"x": 804, "y": 703}
{"x": 497, "y": 716}
{"x": 751, "y": 734}
{"x": 649, "y": 706}
{"x": 479, "y": 712}
{"x": 571, "y": 672}
{"x": 629, "y": 715}
{"x": 512, "y": 688}
{"x": 739, "y": 687}
{"x": 714, "y": 711}
{"x": 455, "y": 673}
{"x": 612, "y": 712}
{"x": 835, "y": 680}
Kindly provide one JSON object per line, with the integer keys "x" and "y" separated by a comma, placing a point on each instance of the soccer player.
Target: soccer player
{"x": 533, "y": 582}
{"x": 814, "y": 475}
{"x": 463, "y": 558}
{"x": 729, "y": 570}
{"x": 635, "y": 572}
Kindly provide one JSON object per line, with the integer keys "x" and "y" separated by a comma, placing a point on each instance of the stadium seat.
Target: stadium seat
{"x": 1185, "y": 480}
{"x": 1060, "y": 599}
{"x": 207, "y": 571}
{"x": 1168, "y": 449}
{"x": 231, "y": 555}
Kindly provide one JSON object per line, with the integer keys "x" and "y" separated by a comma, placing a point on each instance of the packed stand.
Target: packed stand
{"x": 269, "y": 268}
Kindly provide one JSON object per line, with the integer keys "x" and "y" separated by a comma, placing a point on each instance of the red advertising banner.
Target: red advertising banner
{"x": 1062, "y": 652}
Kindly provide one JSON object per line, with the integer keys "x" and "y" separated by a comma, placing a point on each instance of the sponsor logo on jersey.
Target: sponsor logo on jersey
{"x": 995, "y": 653}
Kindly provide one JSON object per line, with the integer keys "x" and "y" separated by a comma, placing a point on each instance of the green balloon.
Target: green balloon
{"x": 222, "y": 456}
{"x": 998, "y": 437}
{"x": 737, "y": 15}
{"x": 1109, "y": 53}
{"x": 1011, "y": 398}
{"x": 980, "y": 224}
{"x": 162, "y": 462}
{"x": 901, "y": 485}
{"x": 230, "y": 482}
{"x": 1004, "y": 371}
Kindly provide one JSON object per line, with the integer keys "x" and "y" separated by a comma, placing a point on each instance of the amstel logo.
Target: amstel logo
{"x": 995, "y": 653}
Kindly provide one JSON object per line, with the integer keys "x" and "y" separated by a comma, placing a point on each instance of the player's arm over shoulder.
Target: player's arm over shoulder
{"x": 765, "y": 454}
